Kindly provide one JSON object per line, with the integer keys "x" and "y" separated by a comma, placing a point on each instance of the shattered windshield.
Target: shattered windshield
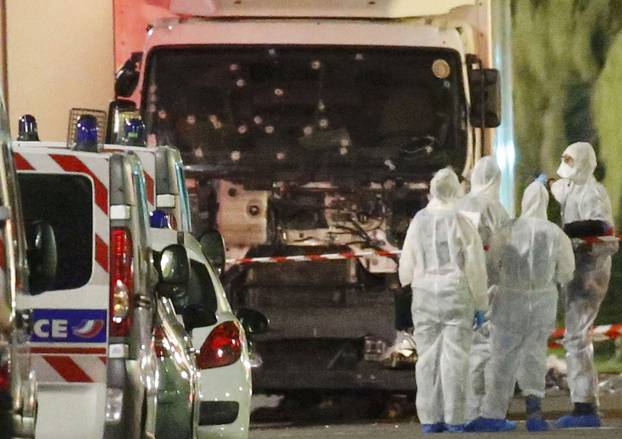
{"x": 309, "y": 112}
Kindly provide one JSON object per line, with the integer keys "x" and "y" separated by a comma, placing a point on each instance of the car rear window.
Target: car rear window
{"x": 66, "y": 202}
{"x": 200, "y": 287}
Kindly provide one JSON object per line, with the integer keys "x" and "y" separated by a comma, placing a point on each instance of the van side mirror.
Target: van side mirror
{"x": 485, "y": 98}
{"x": 253, "y": 321}
{"x": 213, "y": 246}
{"x": 42, "y": 256}
{"x": 127, "y": 76}
{"x": 196, "y": 316}
{"x": 174, "y": 269}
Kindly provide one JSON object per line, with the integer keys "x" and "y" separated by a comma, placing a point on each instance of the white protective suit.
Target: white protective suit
{"x": 534, "y": 256}
{"x": 582, "y": 198}
{"x": 483, "y": 207}
{"x": 443, "y": 261}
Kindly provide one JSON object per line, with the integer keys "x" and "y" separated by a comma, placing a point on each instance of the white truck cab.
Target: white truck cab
{"x": 311, "y": 128}
{"x": 93, "y": 330}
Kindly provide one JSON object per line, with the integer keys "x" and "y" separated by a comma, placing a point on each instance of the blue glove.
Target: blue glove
{"x": 479, "y": 319}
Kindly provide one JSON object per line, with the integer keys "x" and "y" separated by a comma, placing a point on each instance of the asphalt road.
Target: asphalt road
{"x": 555, "y": 404}
{"x": 412, "y": 430}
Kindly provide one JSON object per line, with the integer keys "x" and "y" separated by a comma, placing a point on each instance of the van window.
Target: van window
{"x": 66, "y": 202}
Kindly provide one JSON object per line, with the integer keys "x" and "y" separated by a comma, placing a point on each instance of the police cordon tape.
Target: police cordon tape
{"x": 599, "y": 333}
{"x": 368, "y": 253}
{"x": 314, "y": 257}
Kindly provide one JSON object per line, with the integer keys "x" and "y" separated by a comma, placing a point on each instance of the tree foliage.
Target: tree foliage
{"x": 560, "y": 49}
{"x": 568, "y": 87}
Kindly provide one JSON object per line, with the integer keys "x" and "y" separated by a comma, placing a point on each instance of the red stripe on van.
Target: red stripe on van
{"x": 67, "y": 350}
{"x": 74, "y": 164}
{"x": 101, "y": 252}
{"x": 68, "y": 369}
{"x": 21, "y": 163}
{"x": 150, "y": 189}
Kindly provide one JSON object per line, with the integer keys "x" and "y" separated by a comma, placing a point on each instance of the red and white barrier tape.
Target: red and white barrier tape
{"x": 600, "y": 239}
{"x": 315, "y": 257}
{"x": 367, "y": 253}
{"x": 599, "y": 333}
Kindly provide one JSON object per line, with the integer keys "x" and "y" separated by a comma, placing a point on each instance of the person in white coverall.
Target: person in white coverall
{"x": 585, "y": 211}
{"x": 534, "y": 258}
{"x": 483, "y": 207}
{"x": 443, "y": 261}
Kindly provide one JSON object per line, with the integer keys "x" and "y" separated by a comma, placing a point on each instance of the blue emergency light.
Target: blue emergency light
{"x": 134, "y": 134}
{"x": 27, "y": 129}
{"x": 86, "y": 133}
{"x": 158, "y": 219}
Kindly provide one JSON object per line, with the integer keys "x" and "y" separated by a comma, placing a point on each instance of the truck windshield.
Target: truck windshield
{"x": 312, "y": 113}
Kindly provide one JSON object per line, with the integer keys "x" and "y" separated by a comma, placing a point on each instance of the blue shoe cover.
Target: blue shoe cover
{"x": 439, "y": 427}
{"x": 488, "y": 425}
{"x": 582, "y": 421}
{"x": 454, "y": 428}
{"x": 537, "y": 423}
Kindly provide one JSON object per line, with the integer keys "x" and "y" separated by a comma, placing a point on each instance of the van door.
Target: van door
{"x": 69, "y": 190}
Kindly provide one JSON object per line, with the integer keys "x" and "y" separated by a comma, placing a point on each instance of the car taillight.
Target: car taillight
{"x": 5, "y": 379}
{"x": 222, "y": 347}
{"x": 161, "y": 345}
{"x": 121, "y": 281}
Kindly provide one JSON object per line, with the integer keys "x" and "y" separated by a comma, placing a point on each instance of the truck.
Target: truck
{"x": 310, "y": 130}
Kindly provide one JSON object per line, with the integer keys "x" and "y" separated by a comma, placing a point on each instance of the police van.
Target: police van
{"x": 18, "y": 389}
{"x": 92, "y": 334}
{"x": 225, "y": 386}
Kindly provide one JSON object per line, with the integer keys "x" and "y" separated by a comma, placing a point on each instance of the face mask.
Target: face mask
{"x": 565, "y": 170}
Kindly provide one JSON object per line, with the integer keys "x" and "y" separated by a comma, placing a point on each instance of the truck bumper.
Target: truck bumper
{"x": 349, "y": 374}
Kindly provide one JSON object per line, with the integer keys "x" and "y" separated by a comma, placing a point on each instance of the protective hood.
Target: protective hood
{"x": 535, "y": 201}
{"x": 584, "y": 163}
{"x": 486, "y": 178}
{"x": 444, "y": 188}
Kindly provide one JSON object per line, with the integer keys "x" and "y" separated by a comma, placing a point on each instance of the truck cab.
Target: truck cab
{"x": 312, "y": 129}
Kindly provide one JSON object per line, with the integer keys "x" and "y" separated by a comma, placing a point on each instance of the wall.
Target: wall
{"x": 60, "y": 54}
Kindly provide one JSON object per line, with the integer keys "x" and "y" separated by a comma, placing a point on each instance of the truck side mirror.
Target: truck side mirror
{"x": 485, "y": 98}
{"x": 196, "y": 316}
{"x": 127, "y": 76}
{"x": 213, "y": 246}
{"x": 42, "y": 257}
{"x": 253, "y": 321}
{"x": 174, "y": 269}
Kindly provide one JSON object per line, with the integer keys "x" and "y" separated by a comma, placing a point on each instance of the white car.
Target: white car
{"x": 225, "y": 386}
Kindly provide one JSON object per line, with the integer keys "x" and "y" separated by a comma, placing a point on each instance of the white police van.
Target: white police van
{"x": 93, "y": 331}
{"x": 225, "y": 385}
{"x": 18, "y": 386}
